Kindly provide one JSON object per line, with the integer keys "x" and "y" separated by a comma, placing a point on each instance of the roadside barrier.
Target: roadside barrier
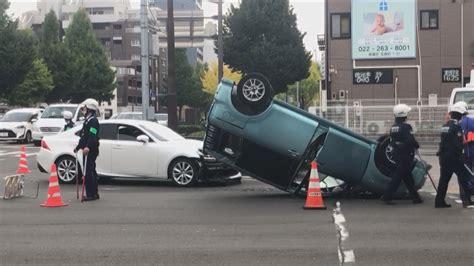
{"x": 15, "y": 187}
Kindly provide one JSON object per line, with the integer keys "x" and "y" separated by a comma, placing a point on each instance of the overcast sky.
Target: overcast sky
{"x": 310, "y": 15}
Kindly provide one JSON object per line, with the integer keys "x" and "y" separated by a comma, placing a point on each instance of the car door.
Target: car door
{"x": 107, "y": 136}
{"x": 131, "y": 157}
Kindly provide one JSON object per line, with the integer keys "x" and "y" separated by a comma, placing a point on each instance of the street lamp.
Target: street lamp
{"x": 220, "y": 40}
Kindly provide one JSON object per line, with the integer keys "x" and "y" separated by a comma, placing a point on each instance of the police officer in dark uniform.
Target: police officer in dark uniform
{"x": 89, "y": 143}
{"x": 404, "y": 146}
{"x": 451, "y": 158}
{"x": 67, "y": 115}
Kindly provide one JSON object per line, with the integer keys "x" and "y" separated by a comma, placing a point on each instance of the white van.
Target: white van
{"x": 52, "y": 122}
{"x": 465, "y": 94}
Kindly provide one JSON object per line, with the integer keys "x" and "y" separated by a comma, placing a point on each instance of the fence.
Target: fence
{"x": 373, "y": 118}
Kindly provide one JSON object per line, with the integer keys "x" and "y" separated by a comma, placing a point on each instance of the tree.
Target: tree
{"x": 308, "y": 88}
{"x": 209, "y": 80}
{"x": 36, "y": 85}
{"x": 56, "y": 57}
{"x": 91, "y": 75}
{"x": 264, "y": 38}
{"x": 188, "y": 83}
{"x": 17, "y": 52}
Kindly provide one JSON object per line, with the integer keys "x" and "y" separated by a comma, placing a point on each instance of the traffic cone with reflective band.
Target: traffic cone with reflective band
{"x": 23, "y": 164}
{"x": 314, "y": 198}
{"x": 54, "y": 195}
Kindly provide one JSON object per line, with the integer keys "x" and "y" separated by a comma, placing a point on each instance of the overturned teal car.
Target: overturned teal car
{"x": 274, "y": 142}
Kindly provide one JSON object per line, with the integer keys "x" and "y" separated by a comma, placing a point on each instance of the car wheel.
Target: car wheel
{"x": 28, "y": 138}
{"x": 254, "y": 93}
{"x": 384, "y": 156}
{"x": 66, "y": 169}
{"x": 183, "y": 172}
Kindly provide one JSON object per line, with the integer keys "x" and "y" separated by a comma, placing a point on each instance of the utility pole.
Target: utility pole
{"x": 172, "y": 100}
{"x": 145, "y": 59}
{"x": 220, "y": 42}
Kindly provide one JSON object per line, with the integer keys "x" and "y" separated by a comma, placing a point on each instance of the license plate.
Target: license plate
{"x": 3, "y": 134}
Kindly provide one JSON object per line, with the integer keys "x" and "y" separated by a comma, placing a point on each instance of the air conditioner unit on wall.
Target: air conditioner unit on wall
{"x": 375, "y": 128}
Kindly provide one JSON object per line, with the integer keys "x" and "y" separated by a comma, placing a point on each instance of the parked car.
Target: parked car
{"x": 274, "y": 142}
{"x": 52, "y": 122}
{"x": 161, "y": 118}
{"x": 135, "y": 149}
{"x": 18, "y": 124}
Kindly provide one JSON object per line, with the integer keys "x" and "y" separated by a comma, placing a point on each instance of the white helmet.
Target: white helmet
{"x": 91, "y": 104}
{"x": 401, "y": 110}
{"x": 67, "y": 115}
{"x": 459, "y": 107}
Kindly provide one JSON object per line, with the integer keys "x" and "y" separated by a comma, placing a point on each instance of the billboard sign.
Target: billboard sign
{"x": 383, "y": 29}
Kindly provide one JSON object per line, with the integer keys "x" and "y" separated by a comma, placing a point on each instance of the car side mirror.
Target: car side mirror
{"x": 82, "y": 118}
{"x": 34, "y": 120}
{"x": 143, "y": 138}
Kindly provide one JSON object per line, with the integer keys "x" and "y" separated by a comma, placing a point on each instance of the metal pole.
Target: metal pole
{"x": 171, "y": 99}
{"x": 145, "y": 58}
{"x": 220, "y": 43}
{"x": 298, "y": 94}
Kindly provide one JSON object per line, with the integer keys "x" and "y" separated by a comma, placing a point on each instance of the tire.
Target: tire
{"x": 66, "y": 169}
{"x": 254, "y": 94}
{"x": 183, "y": 172}
{"x": 28, "y": 139}
{"x": 383, "y": 156}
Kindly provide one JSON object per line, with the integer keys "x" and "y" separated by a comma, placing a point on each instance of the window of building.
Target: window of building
{"x": 341, "y": 25}
{"x": 136, "y": 57}
{"x": 135, "y": 42}
{"x": 118, "y": 42}
{"x": 429, "y": 19}
{"x": 117, "y": 27}
{"x": 130, "y": 99}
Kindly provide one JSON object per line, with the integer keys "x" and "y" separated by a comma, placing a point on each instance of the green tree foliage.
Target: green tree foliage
{"x": 264, "y": 38}
{"x": 17, "y": 52}
{"x": 308, "y": 89}
{"x": 189, "y": 89}
{"x": 34, "y": 88}
{"x": 91, "y": 75}
{"x": 56, "y": 57}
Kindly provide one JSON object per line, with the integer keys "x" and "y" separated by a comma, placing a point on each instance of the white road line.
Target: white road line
{"x": 345, "y": 255}
{"x": 27, "y": 155}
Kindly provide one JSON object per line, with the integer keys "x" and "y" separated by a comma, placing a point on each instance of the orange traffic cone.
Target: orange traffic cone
{"x": 23, "y": 164}
{"x": 54, "y": 194}
{"x": 314, "y": 198}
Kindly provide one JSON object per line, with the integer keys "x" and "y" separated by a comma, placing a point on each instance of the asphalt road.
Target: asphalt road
{"x": 155, "y": 223}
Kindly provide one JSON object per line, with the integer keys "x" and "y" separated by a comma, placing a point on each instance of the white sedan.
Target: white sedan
{"x": 135, "y": 149}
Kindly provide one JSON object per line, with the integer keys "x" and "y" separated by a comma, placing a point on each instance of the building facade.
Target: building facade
{"x": 189, "y": 26}
{"x": 117, "y": 27}
{"x": 386, "y": 49}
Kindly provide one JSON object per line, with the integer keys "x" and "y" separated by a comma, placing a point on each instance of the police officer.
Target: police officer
{"x": 89, "y": 143}
{"x": 67, "y": 115}
{"x": 451, "y": 158}
{"x": 404, "y": 146}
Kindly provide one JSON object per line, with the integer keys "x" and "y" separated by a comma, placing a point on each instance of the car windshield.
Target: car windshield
{"x": 162, "y": 133}
{"x": 466, "y": 96}
{"x": 133, "y": 116}
{"x": 16, "y": 117}
{"x": 57, "y": 111}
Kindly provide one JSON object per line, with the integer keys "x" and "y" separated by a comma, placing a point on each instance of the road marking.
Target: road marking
{"x": 345, "y": 255}
{"x": 27, "y": 155}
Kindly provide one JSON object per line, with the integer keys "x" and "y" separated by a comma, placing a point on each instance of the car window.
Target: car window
{"x": 161, "y": 132}
{"x": 80, "y": 115}
{"x": 57, "y": 111}
{"x": 466, "y": 96}
{"x": 108, "y": 131}
{"x": 129, "y": 133}
{"x": 16, "y": 117}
